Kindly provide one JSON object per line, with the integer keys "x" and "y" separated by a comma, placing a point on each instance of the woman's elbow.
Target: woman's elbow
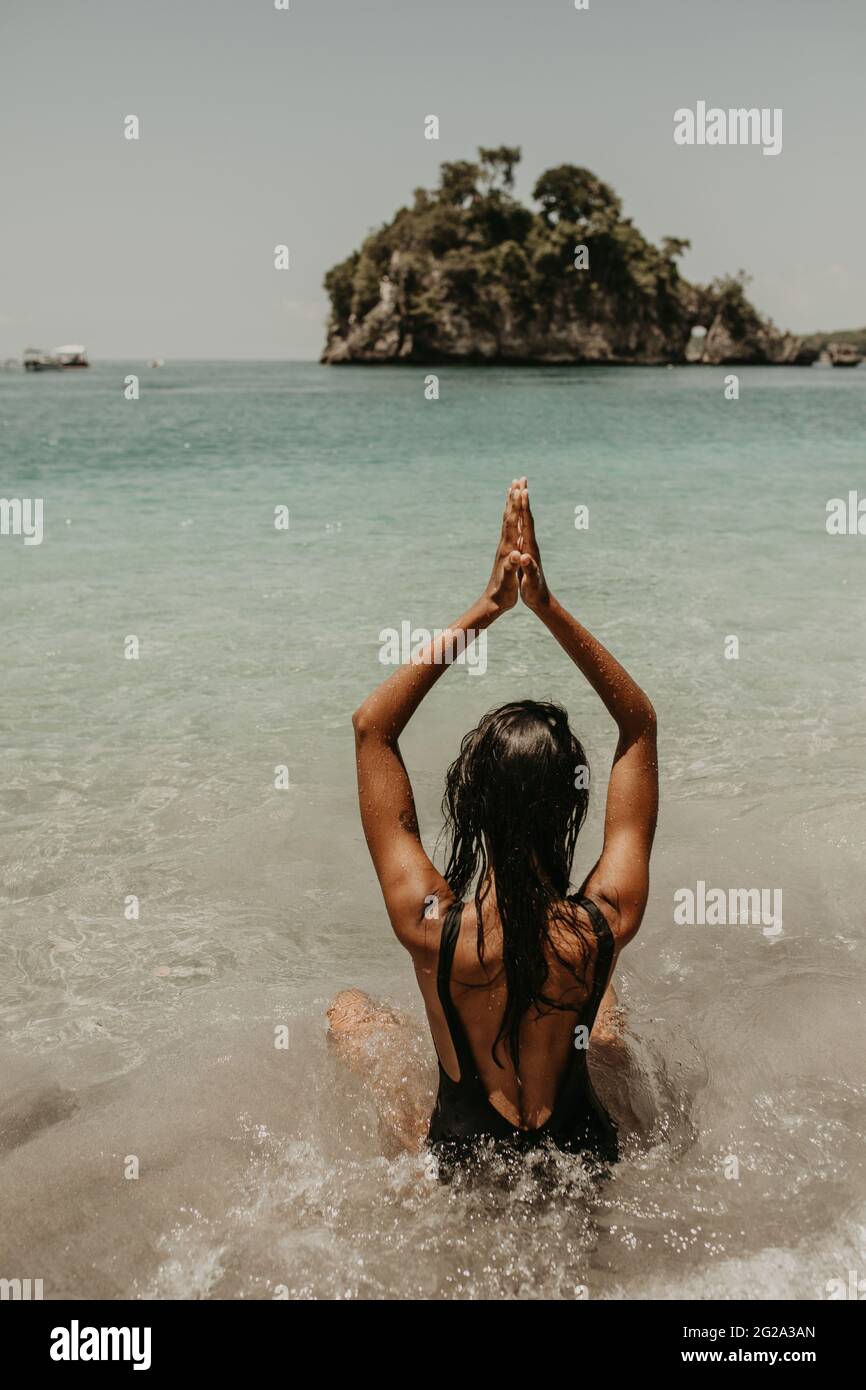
{"x": 640, "y": 721}
{"x": 367, "y": 725}
{"x": 371, "y": 725}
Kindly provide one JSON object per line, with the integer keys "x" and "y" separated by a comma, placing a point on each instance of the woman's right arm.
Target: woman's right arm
{"x": 621, "y": 876}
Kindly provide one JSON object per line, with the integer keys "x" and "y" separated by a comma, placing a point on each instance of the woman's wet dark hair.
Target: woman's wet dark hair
{"x": 515, "y": 800}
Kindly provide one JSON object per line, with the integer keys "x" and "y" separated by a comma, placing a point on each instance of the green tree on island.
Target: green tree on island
{"x": 469, "y": 273}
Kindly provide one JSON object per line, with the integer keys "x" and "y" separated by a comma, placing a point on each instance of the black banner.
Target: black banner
{"x": 163, "y": 1338}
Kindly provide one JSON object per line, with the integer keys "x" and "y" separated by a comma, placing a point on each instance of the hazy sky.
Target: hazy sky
{"x": 305, "y": 127}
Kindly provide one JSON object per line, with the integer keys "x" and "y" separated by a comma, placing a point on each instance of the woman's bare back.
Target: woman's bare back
{"x": 526, "y": 1098}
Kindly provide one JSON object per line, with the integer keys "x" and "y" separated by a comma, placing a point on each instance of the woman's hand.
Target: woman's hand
{"x": 533, "y": 585}
{"x": 501, "y": 591}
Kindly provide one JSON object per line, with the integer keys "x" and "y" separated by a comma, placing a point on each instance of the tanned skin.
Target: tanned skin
{"x": 619, "y": 881}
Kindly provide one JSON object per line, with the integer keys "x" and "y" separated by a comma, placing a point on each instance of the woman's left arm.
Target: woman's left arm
{"x": 407, "y": 876}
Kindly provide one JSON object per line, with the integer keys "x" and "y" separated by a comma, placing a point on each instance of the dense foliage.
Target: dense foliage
{"x": 469, "y": 262}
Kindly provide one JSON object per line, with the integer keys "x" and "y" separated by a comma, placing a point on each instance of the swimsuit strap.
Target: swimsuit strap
{"x": 604, "y": 938}
{"x": 447, "y": 947}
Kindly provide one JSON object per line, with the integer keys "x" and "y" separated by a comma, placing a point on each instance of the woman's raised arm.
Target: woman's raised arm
{"x": 406, "y": 875}
{"x": 621, "y": 876}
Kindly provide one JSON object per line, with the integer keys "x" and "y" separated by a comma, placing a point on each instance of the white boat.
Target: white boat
{"x": 70, "y": 355}
{"x": 844, "y": 355}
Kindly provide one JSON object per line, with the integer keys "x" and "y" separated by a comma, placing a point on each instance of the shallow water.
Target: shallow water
{"x": 264, "y": 1170}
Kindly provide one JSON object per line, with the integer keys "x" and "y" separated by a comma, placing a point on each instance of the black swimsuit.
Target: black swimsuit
{"x": 463, "y": 1112}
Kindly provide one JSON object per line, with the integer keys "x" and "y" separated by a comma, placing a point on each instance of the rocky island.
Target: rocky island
{"x": 469, "y": 274}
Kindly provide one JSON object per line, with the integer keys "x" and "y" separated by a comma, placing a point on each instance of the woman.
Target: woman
{"x": 513, "y": 978}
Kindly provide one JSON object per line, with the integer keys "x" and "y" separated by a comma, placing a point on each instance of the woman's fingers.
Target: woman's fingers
{"x": 529, "y": 568}
{"x": 506, "y": 513}
{"x": 510, "y": 520}
{"x": 513, "y": 515}
{"x": 516, "y": 487}
{"x": 527, "y": 521}
{"x": 533, "y": 589}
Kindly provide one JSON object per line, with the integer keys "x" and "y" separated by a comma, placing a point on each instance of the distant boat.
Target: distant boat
{"x": 71, "y": 355}
{"x": 158, "y": 362}
{"x": 844, "y": 355}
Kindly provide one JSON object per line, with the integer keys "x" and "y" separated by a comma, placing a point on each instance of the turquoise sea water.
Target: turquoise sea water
{"x": 155, "y": 778}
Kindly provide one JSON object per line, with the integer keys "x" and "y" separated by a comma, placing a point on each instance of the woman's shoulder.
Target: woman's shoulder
{"x": 594, "y": 931}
